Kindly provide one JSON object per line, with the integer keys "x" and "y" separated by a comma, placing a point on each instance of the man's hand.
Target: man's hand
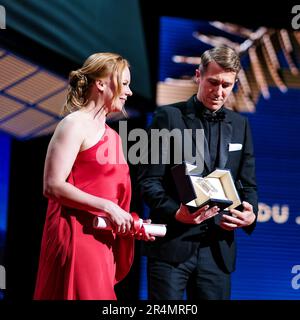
{"x": 183, "y": 215}
{"x": 239, "y": 219}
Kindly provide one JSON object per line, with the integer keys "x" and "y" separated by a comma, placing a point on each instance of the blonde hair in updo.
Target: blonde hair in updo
{"x": 97, "y": 66}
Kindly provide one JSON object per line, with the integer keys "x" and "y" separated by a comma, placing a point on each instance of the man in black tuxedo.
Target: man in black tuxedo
{"x": 198, "y": 254}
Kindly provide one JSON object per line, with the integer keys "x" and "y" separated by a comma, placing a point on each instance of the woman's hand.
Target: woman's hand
{"x": 122, "y": 221}
{"x": 144, "y": 235}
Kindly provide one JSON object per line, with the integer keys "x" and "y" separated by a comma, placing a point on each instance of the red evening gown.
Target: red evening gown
{"x": 78, "y": 262}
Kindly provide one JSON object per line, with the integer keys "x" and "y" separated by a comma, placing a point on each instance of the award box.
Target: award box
{"x": 215, "y": 189}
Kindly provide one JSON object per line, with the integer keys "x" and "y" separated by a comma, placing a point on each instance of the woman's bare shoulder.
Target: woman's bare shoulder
{"x": 74, "y": 119}
{"x": 73, "y": 123}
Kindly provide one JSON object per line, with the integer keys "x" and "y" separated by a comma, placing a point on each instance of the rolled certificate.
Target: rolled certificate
{"x": 157, "y": 230}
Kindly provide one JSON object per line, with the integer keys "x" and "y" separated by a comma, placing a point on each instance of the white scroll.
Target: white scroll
{"x": 156, "y": 230}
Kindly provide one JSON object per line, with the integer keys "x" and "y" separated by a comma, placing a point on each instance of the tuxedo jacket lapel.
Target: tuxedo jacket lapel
{"x": 225, "y": 138}
{"x": 192, "y": 122}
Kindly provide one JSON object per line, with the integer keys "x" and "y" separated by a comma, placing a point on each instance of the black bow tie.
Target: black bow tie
{"x": 214, "y": 116}
{"x": 204, "y": 113}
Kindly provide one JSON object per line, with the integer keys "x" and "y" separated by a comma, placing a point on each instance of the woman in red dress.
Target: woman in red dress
{"x": 84, "y": 176}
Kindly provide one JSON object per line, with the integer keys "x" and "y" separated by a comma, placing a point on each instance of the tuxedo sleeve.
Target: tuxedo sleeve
{"x": 153, "y": 178}
{"x": 247, "y": 175}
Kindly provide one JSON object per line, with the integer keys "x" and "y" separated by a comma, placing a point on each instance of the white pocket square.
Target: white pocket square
{"x": 235, "y": 146}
